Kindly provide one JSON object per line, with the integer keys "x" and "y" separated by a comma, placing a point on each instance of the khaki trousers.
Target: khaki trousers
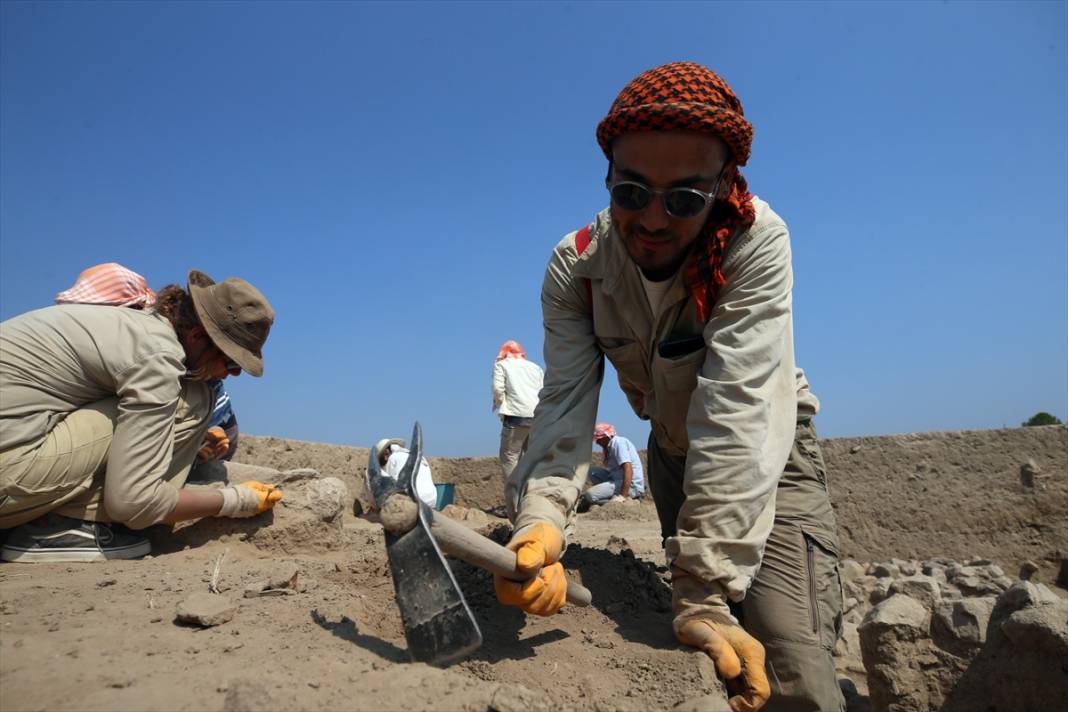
{"x": 63, "y": 472}
{"x": 794, "y": 606}
{"x": 513, "y": 444}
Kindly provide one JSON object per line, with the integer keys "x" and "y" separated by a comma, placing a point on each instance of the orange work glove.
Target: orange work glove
{"x": 215, "y": 445}
{"x": 248, "y": 499}
{"x": 537, "y": 549}
{"x": 739, "y": 657}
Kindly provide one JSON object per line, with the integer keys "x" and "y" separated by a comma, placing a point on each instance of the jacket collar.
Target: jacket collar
{"x": 606, "y": 259}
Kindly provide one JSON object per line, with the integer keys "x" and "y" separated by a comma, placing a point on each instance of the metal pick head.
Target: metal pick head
{"x": 406, "y": 479}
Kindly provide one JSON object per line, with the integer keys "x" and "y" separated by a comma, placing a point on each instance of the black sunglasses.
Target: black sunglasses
{"x": 678, "y": 202}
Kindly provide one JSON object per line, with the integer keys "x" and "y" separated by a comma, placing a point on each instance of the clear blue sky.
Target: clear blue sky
{"x": 394, "y": 176}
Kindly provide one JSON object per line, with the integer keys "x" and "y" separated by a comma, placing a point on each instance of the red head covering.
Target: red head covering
{"x": 511, "y": 349}
{"x": 603, "y": 430}
{"x": 683, "y": 96}
{"x": 110, "y": 284}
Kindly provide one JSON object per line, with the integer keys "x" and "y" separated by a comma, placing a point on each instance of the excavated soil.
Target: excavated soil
{"x": 104, "y": 636}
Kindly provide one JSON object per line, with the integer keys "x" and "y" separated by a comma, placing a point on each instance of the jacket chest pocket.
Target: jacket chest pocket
{"x": 680, "y": 374}
{"x": 629, "y": 360}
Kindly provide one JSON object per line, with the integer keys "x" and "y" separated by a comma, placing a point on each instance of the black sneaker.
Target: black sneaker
{"x": 55, "y": 539}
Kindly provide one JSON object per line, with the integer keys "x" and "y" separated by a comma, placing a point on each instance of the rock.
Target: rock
{"x": 1062, "y": 574}
{"x": 1027, "y": 570}
{"x": 850, "y": 570}
{"x": 894, "y": 645}
{"x": 880, "y": 591}
{"x": 921, "y": 588}
{"x": 902, "y": 614}
{"x": 966, "y": 620}
{"x": 1024, "y": 594}
{"x": 855, "y": 449}
{"x": 884, "y": 571}
{"x": 325, "y": 498}
{"x": 1020, "y": 667}
{"x": 1029, "y": 472}
{"x": 907, "y": 568}
{"x": 848, "y": 645}
{"x": 617, "y": 544}
{"x": 205, "y": 609}
{"x": 1042, "y": 628}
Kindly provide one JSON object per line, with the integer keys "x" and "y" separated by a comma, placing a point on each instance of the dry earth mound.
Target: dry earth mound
{"x": 320, "y": 629}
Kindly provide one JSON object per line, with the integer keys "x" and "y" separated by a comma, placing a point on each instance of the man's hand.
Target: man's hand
{"x": 248, "y": 499}
{"x": 215, "y": 445}
{"x": 537, "y": 549}
{"x": 739, "y": 657}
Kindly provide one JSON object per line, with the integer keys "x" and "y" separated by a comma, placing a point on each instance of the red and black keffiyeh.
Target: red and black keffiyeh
{"x": 689, "y": 97}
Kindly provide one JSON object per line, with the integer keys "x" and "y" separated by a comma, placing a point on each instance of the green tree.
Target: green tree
{"x": 1042, "y": 418}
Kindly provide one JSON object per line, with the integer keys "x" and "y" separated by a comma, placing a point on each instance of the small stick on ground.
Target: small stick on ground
{"x": 214, "y": 585}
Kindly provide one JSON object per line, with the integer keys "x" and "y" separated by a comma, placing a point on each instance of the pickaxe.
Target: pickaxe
{"x": 438, "y": 625}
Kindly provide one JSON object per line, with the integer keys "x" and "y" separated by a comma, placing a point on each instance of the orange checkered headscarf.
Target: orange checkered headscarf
{"x": 511, "y": 349}
{"x": 683, "y": 96}
{"x": 110, "y": 284}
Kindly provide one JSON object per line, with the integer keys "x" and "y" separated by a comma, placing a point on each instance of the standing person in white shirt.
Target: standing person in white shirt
{"x": 516, "y": 383}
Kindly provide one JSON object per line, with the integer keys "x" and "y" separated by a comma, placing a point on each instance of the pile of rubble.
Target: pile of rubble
{"x": 942, "y": 635}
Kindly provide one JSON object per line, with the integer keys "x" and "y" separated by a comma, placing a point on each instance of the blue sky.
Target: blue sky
{"x": 394, "y": 176}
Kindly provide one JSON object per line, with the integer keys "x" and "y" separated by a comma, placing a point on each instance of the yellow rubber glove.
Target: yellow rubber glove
{"x": 248, "y": 499}
{"x": 537, "y": 549}
{"x": 215, "y": 445}
{"x": 739, "y": 657}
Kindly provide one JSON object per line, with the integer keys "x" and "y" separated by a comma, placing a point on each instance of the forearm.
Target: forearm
{"x": 741, "y": 423}
{"x": 547, "y": 482}
{"x": 628, "y": 475}
{"x": 195, "y": 504}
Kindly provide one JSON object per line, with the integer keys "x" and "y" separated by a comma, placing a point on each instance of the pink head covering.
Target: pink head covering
{"x": 511, "y": 349}
{"x": 109, "y": 284}
{"x": 602, "y": 430}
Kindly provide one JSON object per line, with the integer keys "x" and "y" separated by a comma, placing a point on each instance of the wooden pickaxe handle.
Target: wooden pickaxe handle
{"x": 457, "y": 540}
{"x": 399, "y": 514}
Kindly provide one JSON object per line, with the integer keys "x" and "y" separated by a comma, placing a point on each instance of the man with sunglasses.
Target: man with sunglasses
{"x": 103, "y": 410}
{"x": 684, "y": 283}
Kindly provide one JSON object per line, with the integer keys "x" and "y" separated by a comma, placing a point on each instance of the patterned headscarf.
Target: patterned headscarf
{"x": 511, "y": 349}
{"x": 683, "y": 96}
{"x": 111, "y": 284}
{"x": 603, "y": 430}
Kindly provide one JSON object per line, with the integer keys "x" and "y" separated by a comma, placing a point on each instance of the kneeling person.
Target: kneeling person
{"x": 103, "y": 410}
{"x": 622, "y": 474}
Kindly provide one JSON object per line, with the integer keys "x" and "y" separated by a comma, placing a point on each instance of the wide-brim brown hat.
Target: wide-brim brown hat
{"x": 236, "y": 316}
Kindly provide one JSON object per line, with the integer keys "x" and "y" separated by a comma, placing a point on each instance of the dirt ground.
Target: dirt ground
{"x": 104, "y": 636}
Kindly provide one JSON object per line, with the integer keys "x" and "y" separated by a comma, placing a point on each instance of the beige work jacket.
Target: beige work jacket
{"x": 55, "y": 360}
{"x": 729, "y": 406}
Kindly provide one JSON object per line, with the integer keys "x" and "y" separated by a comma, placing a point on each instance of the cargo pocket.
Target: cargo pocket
{"x": 824, "y": 588}
{"x": 680, "y": 374}
{"x": 628, "y": 359}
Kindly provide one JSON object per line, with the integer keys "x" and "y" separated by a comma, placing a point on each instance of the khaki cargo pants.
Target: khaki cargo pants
{"x": 794, "y": 606}
{"x": 63, "y": 472}
{"x": 514, "y": 436}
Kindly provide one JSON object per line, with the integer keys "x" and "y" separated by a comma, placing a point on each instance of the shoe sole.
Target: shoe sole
{"x": 74, "y": 555}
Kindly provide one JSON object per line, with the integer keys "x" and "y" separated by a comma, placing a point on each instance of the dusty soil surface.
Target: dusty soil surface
{"x": 104, "y": 636}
